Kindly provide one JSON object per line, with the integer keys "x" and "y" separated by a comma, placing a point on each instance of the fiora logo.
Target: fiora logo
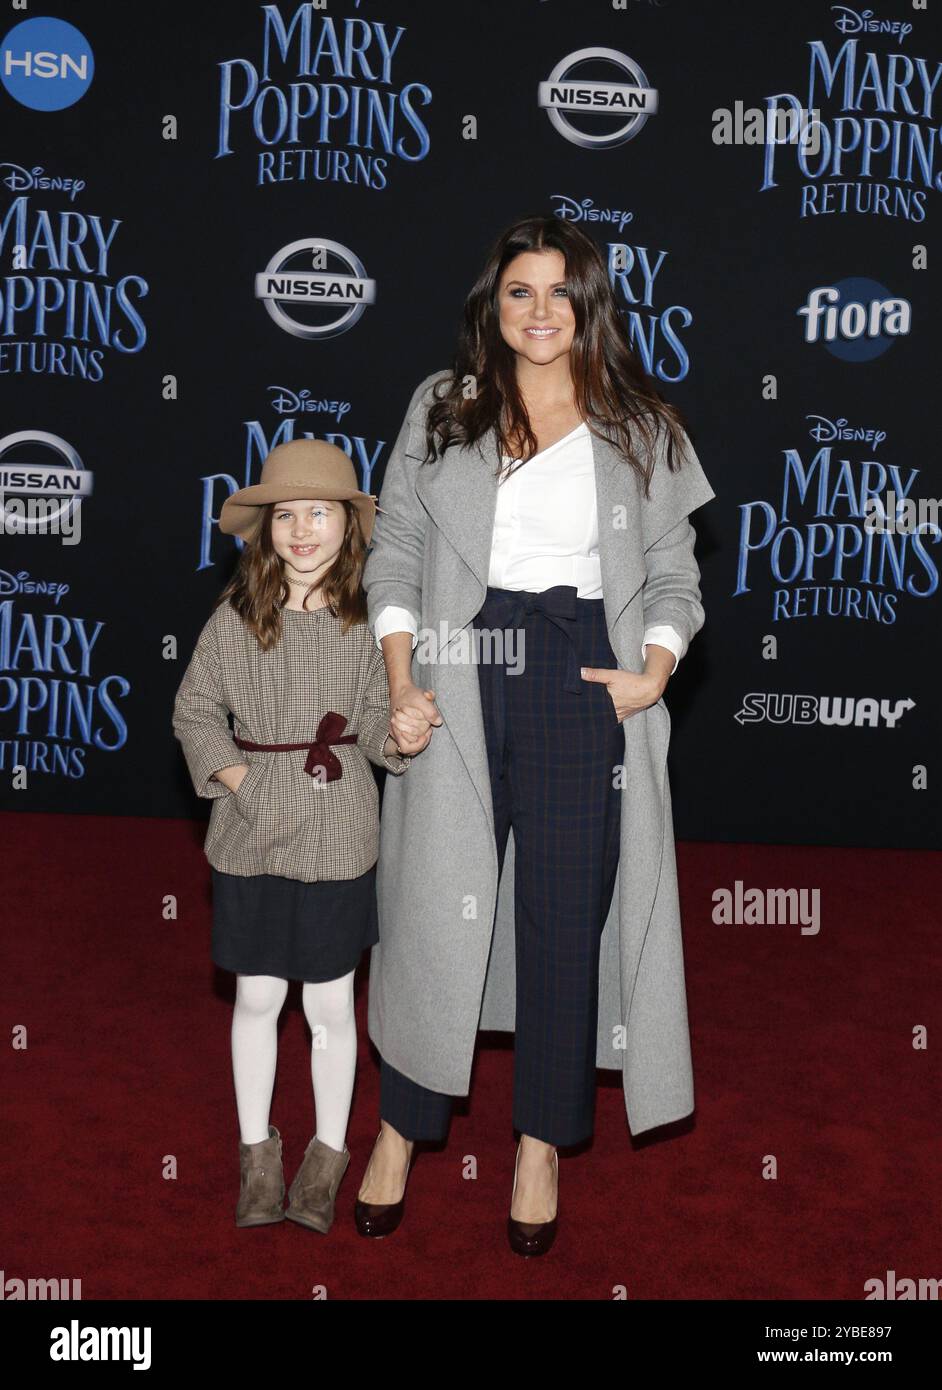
{"x": 856, "y": 319}
{"x": 336, "y": 298}
{"x": 46, "y": 64}
{"x": 624, "y": 104}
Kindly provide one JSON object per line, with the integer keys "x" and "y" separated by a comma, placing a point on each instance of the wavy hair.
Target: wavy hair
{"x": 612, "y": 389}
{"x": 258, "y": 588}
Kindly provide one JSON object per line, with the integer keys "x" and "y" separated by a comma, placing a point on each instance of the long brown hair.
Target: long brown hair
{"x": 612, "y": 389}
{"x": 258, "y": 587}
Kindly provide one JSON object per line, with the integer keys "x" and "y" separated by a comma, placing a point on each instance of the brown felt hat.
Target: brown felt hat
{"x": 296, "y": 470}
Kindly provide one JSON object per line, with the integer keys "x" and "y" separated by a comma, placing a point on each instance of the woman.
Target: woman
{"x": 534, "y": 504}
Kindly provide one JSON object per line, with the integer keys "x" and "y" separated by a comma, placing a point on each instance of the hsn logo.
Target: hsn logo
{"x": 46, "y": 64}
{"x": 856, "y": 319}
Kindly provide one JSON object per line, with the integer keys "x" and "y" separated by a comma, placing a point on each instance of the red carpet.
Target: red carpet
{"x": 802, "y": 1051}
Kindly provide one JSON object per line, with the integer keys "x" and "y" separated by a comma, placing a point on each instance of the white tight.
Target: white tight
{"x": 329, "y": 1011}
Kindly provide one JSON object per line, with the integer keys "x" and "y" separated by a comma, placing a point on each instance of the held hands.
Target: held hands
{"x": 413, "y": 716}
{"x": 631, "y": 693}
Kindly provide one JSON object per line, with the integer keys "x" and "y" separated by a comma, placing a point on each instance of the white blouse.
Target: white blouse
{"x": 546, "y": 532}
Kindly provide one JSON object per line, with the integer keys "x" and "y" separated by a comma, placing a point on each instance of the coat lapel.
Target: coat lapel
{"x": 620, "y": 543}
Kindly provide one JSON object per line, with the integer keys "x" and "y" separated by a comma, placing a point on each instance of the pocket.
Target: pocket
{"x": 602, "y": 697}
{"x": 244, "y": 792}
{"x": 598, "y": 653}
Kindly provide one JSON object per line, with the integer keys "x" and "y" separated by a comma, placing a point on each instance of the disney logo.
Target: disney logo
{"x": 851, "y": 22}
{"x": 19, "y": 180}
{"x": 571, "y": 211}
{"x": 20, "y": 583}
{"x": 826, "y": 430}
{"x": 302, "y": 402}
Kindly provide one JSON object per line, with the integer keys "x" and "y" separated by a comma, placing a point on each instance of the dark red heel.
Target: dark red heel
{"x": 530, "y": 1238}
{"x": 379, "y": 1219}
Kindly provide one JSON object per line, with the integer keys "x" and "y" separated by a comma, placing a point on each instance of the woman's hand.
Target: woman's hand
{"x": 413, "y": 715}
{"x": 630, "y": 693}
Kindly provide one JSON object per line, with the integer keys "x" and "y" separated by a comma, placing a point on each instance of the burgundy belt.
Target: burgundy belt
{"x": 319, "y": 757}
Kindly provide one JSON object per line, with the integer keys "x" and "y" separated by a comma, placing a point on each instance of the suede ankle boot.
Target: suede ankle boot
{"x": 314, "y": 1190}
{"x": 262, "y": 1182}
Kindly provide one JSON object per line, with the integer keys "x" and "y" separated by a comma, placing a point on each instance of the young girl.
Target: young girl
{"x": 293, "y": 837}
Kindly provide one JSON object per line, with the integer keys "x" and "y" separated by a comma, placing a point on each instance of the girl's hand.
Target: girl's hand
{"x": 232, "y": 777}
{"x": 413, "y": 714}
{"x": 629, "y": 692}
{"x": 391, "y": 747}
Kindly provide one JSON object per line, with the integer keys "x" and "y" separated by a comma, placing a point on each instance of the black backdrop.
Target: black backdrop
{"x": 177, "y": 400}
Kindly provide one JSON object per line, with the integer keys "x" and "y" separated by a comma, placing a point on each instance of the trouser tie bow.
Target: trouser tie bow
{"x": 560, "y": 605}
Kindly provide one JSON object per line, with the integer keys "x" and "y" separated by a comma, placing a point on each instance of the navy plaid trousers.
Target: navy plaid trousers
{"x": 553, "y": 744}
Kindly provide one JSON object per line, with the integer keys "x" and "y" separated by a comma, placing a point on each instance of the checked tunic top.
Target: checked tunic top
{"x": 282, "y": 820}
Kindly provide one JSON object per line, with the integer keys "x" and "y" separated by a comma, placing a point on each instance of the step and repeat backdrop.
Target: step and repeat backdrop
{"x": 229, "y": 224}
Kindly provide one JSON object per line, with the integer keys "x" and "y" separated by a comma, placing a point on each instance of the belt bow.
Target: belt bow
{"x": 319, "y": 757}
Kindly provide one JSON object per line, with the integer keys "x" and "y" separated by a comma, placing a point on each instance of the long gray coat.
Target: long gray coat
{"x": 444, "y": 965}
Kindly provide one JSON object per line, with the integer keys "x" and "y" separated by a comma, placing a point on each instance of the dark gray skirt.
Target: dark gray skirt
{"x": 267, "y": 925}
